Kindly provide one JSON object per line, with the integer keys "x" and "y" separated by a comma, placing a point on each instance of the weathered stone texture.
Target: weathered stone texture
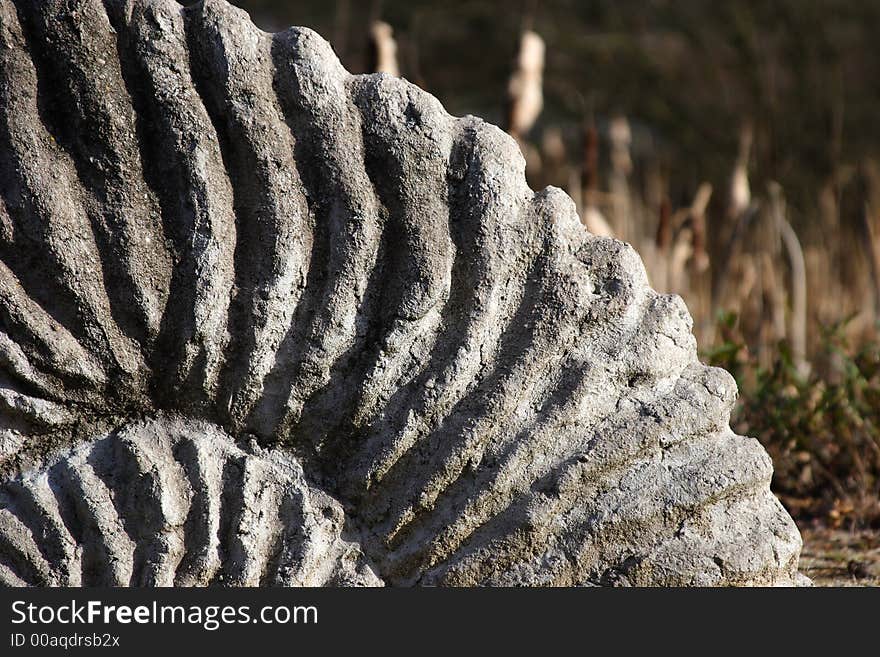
{"x": 213, "y": 238}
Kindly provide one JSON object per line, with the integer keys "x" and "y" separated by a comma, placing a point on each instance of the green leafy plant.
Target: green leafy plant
{"x": 822, "y": 429}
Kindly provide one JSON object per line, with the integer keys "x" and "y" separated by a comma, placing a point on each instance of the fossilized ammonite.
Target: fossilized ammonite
{"x": 266, "y": 322}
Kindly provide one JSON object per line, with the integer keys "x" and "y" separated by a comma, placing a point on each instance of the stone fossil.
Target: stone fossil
{"x": 263, "y": 321}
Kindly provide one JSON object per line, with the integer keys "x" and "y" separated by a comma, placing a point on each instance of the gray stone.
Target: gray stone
{"x": 263, "y": 321}
{"x": 173, "y": 501}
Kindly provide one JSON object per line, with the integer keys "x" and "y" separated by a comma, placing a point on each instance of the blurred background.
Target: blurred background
{"x": 736, "y": 145}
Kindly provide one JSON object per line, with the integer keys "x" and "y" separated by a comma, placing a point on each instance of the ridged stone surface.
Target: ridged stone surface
{"x": 266, "y": 322}
{"x": 173, "y": 502}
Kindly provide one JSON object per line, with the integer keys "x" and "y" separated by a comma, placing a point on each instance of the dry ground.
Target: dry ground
{"x": 836, "y": 557}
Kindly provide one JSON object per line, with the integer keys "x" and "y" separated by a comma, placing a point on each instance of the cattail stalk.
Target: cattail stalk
{"x": 871, "y": 227}
{"x": 664, "y": 226}
{"x": 620, "y": 136}
{"x": 525, "y": 97}
{"x": 698, "y": 222}
{"x": 383, "y": 49}
{"x": 591, "y": 216}
{"x": 798, "y": 267}
{"x": 740, "y": 192}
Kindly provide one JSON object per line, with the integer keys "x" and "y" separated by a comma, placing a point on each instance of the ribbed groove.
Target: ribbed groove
{"x": 542, "y": 331}
{"x": 201, "y": 559}
{"x": 107, "y": 549}
{"x": 39, "y": 510}
{"x": 20, "y": 551}
{"x": 93, "y": 119}
{"x": 18, "y": 367}
{"x": 472, "y": 424}
{"x": 315, "y": 102}
{"x": 288, "y": 543}
{"x": 49, "y": 344}
{"x": 595, "y": 508}
{"x": 587, "y": 452}
{"x": 506, "y": 469}
{"x": 184, "y": 167}
{"x": 273, "y": 215}
{"x": 151, "y": 496}
{"x": 57, "y": 255}
{"x": 168, "y": 502}
{"x": 492, "y": 287}
{"x": 9, "y": 578}
{"x": 400, "y": 315}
